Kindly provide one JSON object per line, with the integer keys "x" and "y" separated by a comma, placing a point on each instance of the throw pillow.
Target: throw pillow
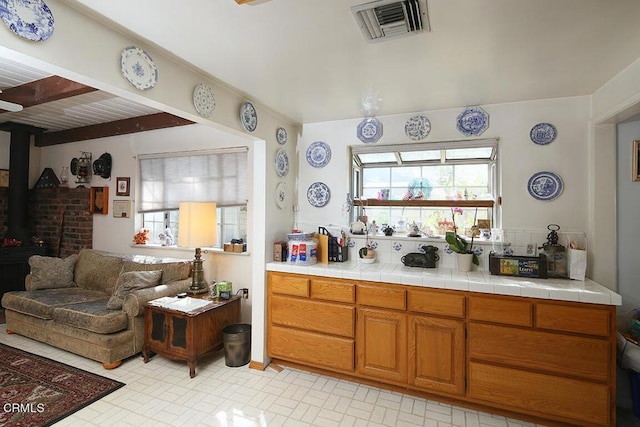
{"x": 131, "y": 281}
{"x": 51, "y": 273}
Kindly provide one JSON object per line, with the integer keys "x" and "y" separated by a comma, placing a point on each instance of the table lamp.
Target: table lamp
{"x": 196, "y": 228}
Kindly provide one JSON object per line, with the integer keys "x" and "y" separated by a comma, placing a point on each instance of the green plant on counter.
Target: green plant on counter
{"x": 459, "y": 245}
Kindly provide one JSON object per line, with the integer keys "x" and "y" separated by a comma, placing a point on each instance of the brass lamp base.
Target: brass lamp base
{"x": 198, "y": 284}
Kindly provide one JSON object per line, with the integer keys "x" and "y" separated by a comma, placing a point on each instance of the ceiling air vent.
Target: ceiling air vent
{"x": 386, "y": 19}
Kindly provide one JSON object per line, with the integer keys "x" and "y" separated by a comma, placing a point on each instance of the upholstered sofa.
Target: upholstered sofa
{"x": 92, "y": 303}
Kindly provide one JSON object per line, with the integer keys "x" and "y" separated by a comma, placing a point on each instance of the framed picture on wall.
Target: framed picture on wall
{"x": 123, "y": 185}
{"x": 122, "y": 208}
{"x": 635, "y": 167}
{"x": 99, "y": 199}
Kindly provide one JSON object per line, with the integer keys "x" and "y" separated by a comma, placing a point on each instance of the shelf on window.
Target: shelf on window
{"x": 426, "y": 203}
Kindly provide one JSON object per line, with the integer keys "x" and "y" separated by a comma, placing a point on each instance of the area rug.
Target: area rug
{"x": 36, "y": 391}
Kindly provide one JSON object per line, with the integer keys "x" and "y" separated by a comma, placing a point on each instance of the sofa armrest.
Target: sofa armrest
{"x": 27, "y": 282}
{"x": 133, "y": 303}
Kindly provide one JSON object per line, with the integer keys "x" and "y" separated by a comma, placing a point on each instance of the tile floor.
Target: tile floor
{"x": 161, "y": 393}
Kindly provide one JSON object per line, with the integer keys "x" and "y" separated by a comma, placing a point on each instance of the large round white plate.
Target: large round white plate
{"x": 248, "y": 117}
{"x": 369, "y": 130}
{"x": 281, "y": 195}
{"x": 417, "y": 127}
{"x": 138, "y": 68}
{"x": 472, "y": 121}
{"x": 30, "y": 19}
{"x": 545, "y": 186}
{"x": 203, "y": 100}
{"x": 543, "y": 133}
{"x": 282, "y": 163}
{"x": 281, "y": 134}
{"x": 318, "y": 194}
{"x": 318, "y": 154}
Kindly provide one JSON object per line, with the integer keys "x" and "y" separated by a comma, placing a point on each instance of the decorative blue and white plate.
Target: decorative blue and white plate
{"x": 248, "y": 116}
{"x": 281, "y": 195}
{"x": 318, "y": 194}
{"x": 545, "y": 186}
{"x": 203, "y": 100}
{"x": 318, "y": 154}
{"x": 281, "y": 134}
{"x": 369, "y": 130}
{"x": 282, "y": 163}
{"x": 30, "y": 19}
{"x": 138, "y": 68}
{"x": 417, "y": 127}
{"x": 543, "y": 133}
{"x": 472, "y": 121}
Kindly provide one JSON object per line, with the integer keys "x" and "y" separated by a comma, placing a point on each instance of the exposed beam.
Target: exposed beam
{"x": 44, "y": 90}
{"x": 118, "y": 127}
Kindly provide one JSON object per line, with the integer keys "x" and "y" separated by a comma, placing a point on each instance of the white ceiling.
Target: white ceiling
{"x": 308, "y": 60}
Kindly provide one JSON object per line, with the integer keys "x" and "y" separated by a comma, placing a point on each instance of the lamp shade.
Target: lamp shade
{"x": 197, "y": 224}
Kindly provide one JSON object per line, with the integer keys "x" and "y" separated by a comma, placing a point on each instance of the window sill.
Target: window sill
{"x": 149, "y": 246}
{"x": 426, "y": 203}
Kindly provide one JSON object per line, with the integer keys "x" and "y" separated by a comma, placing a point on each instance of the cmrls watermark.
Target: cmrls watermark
{"x": 23, "y": 408}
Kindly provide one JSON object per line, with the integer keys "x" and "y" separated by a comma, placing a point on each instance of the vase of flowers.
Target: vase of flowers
{"x": 465, "y": 256}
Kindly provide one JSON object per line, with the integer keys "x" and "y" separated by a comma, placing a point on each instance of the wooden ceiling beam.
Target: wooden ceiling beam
{"x": 118, "y": 127}
{"x": 44, "y": 90}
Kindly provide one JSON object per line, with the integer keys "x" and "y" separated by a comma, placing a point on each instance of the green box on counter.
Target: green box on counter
{"x": 521, "y": 266}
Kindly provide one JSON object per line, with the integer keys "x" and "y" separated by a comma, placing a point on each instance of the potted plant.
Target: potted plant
{"x": 366, "y": 253}
{"x": 458, "y": 244}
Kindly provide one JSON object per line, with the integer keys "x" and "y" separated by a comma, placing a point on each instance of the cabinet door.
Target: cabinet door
{"x": 382, "y": 344}
{"x": 436, "y": 354}
{"x": 178, "y": 329}
{"x": 159, "y": 329}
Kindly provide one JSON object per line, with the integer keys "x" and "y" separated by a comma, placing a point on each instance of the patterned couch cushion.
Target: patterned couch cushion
{"x": 51, "y": 272}
{"x": 41, "y": 303}
{"x": 97, "y": 270}
{"x": 92, "y": 316}
{"x": 131, "y": 281}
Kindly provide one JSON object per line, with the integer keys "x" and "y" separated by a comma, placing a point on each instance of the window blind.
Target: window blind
{"x": 166, "y": 180}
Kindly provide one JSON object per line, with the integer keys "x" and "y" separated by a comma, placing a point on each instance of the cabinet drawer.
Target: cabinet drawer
{"x": 382, "y": 296}
{"x": 333, "y": 291}
{"x": 435, "y": 302}
{"x": 562, "y": 354}
{"x": 501, "y": 310}
{"x": 311, "y": 348}
{"x": 543, "y": 394}
{"x": 582, "y": 320}
{"x": 289, "y": 285}
{"x": 334, "y": 319}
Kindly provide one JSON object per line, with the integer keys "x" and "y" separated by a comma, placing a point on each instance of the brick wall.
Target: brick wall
{"x": 58, "y": 216}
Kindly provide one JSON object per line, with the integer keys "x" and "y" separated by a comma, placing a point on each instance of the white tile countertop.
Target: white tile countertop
{"x": 586, "y": 291}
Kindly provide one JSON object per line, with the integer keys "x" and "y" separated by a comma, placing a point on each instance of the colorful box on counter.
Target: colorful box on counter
{"x": 280, "y": 251}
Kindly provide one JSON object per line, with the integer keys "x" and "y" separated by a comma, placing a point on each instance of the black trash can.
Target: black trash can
{"x": 237, "y": 344}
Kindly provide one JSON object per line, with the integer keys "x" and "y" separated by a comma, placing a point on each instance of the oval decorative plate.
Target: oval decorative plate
{"x": 369, "y": 130}
{"x": 472, "y": 121}
{"x": 318, "y": 154}
{"x": 30, "y": 19}
{"x": 248, "y": 117}
{"x": 545, "y": 186}
{"x": 417, "y": 127}
{"x": 203, "y": 100}
{"x": 281, "y": 195}
{"x": 138, "y": 68}
{"x": 543, "y": 133}
{"x": 318, "y": 194}
{"x": 282, "y": 163}
{"x": 281, "y": 134}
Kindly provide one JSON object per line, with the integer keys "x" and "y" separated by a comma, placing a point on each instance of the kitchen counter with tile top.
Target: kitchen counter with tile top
{"x": 586, "y": 291}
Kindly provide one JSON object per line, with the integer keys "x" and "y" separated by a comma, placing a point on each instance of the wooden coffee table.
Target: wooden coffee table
{"x": 188, "y": 336}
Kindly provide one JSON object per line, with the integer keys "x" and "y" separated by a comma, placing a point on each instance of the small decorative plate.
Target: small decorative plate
{"x": 473, "y": 121}
{"x": 281, "y": 134}
{"x": 138, "y": 68}
{"x": 203, "y": 100}
{"x": 543, "y": 133}
{"x": 281, "y": 195}
{"x": 369, "y": 130}
{"x": 318, "y": 194}
{"x": 545, "y": 186}
{"x": 248, "y": 117}
{"x": 318, "y": 154}
{"x": 282, "y": 163}
{"x": 417, "y": 127}
{"x": 30, "y": 19}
